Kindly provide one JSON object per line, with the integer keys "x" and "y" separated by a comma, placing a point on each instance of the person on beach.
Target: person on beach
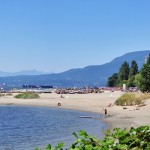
{"x": 59, "y": 104}
{"x": 105, "y": 111}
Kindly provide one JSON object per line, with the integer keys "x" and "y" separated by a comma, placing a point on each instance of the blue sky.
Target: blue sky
{"x": 57, "y": 35}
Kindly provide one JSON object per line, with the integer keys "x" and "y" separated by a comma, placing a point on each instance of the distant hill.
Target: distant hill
{"x": 95, "y": 75}
{"x": 24, "y": 72}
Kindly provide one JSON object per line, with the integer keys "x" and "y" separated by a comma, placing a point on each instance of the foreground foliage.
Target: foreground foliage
{"x": 27, "y": 96}
{"x": 129, "y": 99}
{"x": 134, "y": 139}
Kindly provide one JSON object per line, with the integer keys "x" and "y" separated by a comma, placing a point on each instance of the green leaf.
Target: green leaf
{"x": 75, "y": 135}
{"x": 134, "y": 139}
{"x": 59, "y": 146}
{"x": 37, "y": 149}
{"x": 48, "y": 147}
{"x": 83, "y": 133}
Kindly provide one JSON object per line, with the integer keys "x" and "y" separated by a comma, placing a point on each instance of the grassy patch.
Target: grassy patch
{"x": 27, "y": 96}
{"x": 129, "y": 99}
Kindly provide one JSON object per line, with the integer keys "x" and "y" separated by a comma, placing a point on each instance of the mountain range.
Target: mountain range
{"x": 24, "y": 72}
{"x": 93, "y": 75}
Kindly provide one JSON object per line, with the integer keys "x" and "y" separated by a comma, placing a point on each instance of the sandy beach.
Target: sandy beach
{"x": 116, "y": 117}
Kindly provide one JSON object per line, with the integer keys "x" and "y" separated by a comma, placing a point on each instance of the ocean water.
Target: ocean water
{"x": 24, "y": 128}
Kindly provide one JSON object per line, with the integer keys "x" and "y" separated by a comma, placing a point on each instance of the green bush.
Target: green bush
{"x": 126, "y": 99}
{"x": 27, "y": 96}
{"x": 134, "y": 139}
{"x": 131, "y": 99}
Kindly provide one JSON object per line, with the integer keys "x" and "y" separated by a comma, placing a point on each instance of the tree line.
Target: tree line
{"x": 131, "y": 76}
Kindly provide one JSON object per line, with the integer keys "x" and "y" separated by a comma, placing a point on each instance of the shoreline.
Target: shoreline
{"x": 95, "y": 103}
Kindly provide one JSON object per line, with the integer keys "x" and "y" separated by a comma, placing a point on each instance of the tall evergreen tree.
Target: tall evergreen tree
{"x": 112, "y": 80}
{"x": 123, "y": 72}
{"x": 145, "y": 78}
{"x": 131, "y": 82}
{"x": 134, "y": 69}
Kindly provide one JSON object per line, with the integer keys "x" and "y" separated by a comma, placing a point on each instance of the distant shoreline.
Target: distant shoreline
{"x": 116, "y": 117}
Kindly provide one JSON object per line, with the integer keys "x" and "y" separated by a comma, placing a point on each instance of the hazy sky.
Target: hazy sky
{"x": 57, "y": 35}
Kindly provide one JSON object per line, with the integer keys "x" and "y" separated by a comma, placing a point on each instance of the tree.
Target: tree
{"x": 131, "y": 82}
{"x": 123, "y": 72}
{"x": 137, "y": 80}
{"x": 112, "y": 80}
{"x": 134, "y": 69}
{"x": 144, "y": 82}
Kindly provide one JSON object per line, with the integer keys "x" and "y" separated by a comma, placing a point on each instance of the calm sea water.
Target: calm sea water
{"x": 24, "y": 128}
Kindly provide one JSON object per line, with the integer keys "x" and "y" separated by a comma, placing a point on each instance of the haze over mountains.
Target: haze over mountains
{"x": 94, "y": 75}
{"x": 24, "y": 72}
